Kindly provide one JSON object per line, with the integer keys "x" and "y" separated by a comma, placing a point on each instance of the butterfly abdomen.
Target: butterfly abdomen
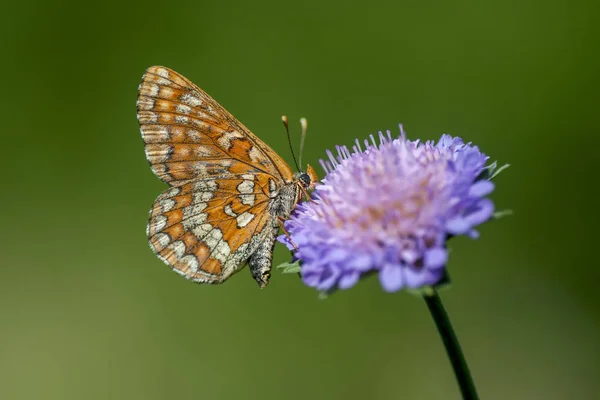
{"x": 281, "y": 205}
{"x": 261, "y": 259}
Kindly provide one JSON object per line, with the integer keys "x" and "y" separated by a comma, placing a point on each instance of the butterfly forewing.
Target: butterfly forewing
{"x": 188, "y": 135}
{"x": 224, "y": 181}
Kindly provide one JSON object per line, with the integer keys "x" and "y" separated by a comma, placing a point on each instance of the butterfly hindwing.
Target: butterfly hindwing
{"x": 206, "y": 229}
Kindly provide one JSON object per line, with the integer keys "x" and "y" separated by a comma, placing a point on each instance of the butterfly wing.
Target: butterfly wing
{"x": 188, "y": 135}
{"x": 223, "y": 178}
{"x": 206, "y": 229}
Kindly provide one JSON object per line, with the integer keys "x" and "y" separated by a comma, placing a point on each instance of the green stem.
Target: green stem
{"x": 457, "y": 359}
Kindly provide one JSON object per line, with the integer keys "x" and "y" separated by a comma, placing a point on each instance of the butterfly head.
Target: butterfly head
{"x": 308, "y": 179}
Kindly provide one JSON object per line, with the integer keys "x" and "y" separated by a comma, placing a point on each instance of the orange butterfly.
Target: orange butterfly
{"x": 228, "y": 192}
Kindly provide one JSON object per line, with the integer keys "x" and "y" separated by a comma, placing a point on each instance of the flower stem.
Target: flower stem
{"x": 455, "y": 354}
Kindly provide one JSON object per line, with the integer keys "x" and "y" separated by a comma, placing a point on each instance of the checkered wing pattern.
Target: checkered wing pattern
{"x": 221, "y": 177}
{"x": 205, "y": 229}
{"x": 188, "y": 135}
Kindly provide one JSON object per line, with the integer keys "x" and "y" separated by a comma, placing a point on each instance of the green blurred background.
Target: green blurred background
{"x": 88, "y": 312}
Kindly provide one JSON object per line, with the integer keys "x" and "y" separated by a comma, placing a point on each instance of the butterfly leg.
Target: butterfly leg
{"x": 280, "y": 221}
{"x": 305, "y": 193}
{"x": 261, "y": 260}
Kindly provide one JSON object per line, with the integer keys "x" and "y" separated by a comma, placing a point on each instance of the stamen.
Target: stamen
{"x": 338, "y": 148}
{"x": 358, "y": 145}
{"x": 324, "y": 166}
{"x": 381, "y": 138}
{"x": 331, "y": 157}
{"x": 402, "y": 134}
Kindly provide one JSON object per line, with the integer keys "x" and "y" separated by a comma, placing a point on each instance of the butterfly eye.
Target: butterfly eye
{"x": 305, "y": 179}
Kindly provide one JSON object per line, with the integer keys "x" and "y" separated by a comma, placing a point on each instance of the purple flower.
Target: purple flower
{"x": 389, "y": 209}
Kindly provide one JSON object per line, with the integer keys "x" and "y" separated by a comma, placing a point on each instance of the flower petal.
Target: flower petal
{"x": 481, "y": 188}
{"x": 286, "y": 241}
{"x": 483, "y": 212}
{"x": 348, "y": 279}
{"x": 390, "y": 277}
{"x": 360, "y": 262}
{"x": 415, "y": 278}
{"x": 435, "y": 258}
{"x": 457, "y": 225}
{"x": 328, "y": 279}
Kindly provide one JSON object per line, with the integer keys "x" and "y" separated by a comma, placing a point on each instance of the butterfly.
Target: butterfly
{"x": 228, "y": 191}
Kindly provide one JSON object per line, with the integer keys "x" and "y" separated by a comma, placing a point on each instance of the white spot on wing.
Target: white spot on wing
{"x": 158, "y": 152}
{"x": 159, "y": 223}
{"x": 147, "y": 117}
{"x": 246, "y": 187}
{"x": 163, "y": 239}
{"x": 226, "y": 138}
{"x": 155, "y": 133}
{"x": 190, "y": 99}
{"x": 192, "y": 262}
{"x": 194, "y": 209}
{"x": 213, "y": 238}
{"x": 207, "y": 185}
{"x": 183, "y": 109}
{"x": 162, "y": 72}
{"x": 244, "y": 219}
{"x": 199, "y": 123}
{"x": 145, "y": 103}
{"x": 178, "y": 248}
{"x": 221, "y": 251}
{"x": 200, "y": 169}
{"x": 149, "y": 89}
{"x": 229, "y": 211}
{"x": 272, "y": 186}
{"x": 255, "y": 155}
{"x": 203, "y": 151}
{"x": 194, "y": 221}
{"x": 202, "y": 197}
{"x": 247, "y": 199}
{"x": 202, "y": 230}
{"x": 180, "y": 119}
{"x": 167, "y": 205}
{"x": 194, "y": 135}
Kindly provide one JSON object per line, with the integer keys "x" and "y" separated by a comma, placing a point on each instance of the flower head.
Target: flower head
{"x": 389, "y": 209}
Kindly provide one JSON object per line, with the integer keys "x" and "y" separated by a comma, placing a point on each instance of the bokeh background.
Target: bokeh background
{"x": 88, "y": 312}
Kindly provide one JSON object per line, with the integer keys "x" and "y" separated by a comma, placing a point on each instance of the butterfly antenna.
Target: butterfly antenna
{"x": 287, "y": 129}
{"x": 304, "y": 124}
